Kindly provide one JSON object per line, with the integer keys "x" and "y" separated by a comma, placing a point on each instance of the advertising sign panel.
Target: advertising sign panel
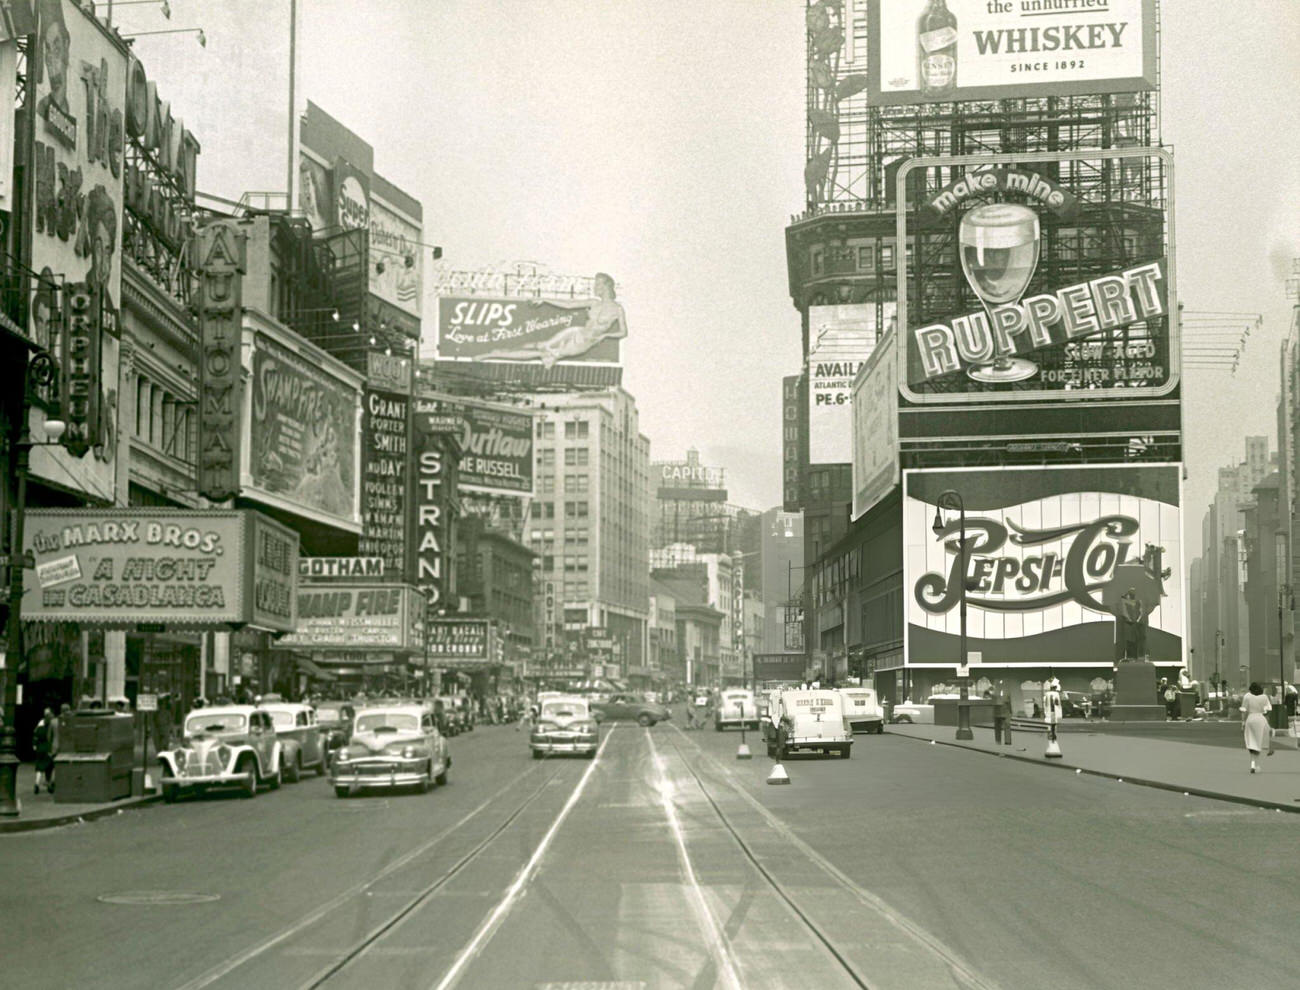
{"x": 121, "y": 567}
{"x": 356, "y": 617}
{"x": 460, "y": 641}
{"x": 396, "y": 261}
{"x": 778, "y": 667}
{"x": 937, "y": 51}
{"x": 221, "y": 265}
{"x": 548, "y": 331}
{"x": 496, "y": 441}
{"x": 841, "y": 338}
{"x": 790, "y": 406}
{"x": 1050, "y": 294}
{"x": 315, "y": 193}
{"x": 351, "y": 195}
{"x": 385, "y": 450}
{"x": 340, "y": 568}
{"x": 303, "y": 436}
{"x": 875, "y": 427}
{"x": 435, "y": 492}
{"x": 75, "y": 202}
{"x": 1051, "y": 550}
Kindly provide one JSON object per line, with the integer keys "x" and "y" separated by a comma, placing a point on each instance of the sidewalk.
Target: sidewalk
{"x": 41, "y": 811}
{"x": 1207, "y": 771}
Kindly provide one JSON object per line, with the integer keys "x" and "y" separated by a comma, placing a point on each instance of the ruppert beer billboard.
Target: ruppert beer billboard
{"x": 940, "y": 51}
{"x": 1051, "y": 550}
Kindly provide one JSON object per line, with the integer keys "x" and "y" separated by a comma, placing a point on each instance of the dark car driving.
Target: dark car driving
{"x": 629, "y": 708}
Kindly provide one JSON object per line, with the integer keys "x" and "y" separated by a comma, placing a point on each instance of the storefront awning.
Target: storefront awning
{"x": 312, "y": 669}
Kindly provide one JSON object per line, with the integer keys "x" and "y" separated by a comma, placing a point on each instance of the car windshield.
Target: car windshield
{"x": 328, "y": 715}
{"x": 215, "y": 722}
{"x": 564, "y": 709}
{"x": 388, "y": 722}
{"x": 282, "y": 720}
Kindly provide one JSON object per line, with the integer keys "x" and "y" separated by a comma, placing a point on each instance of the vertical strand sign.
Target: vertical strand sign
{"x": 221, "y": 267}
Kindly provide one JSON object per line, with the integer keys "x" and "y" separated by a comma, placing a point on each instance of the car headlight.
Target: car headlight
{"x": 410, "y": 752}
{"x": 180, "y": 758}
{"x": 223, "y": 754}
{"x": 344, "y": 754}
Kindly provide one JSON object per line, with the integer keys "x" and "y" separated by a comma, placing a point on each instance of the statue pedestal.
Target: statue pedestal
{"x": 1135, "y": 692}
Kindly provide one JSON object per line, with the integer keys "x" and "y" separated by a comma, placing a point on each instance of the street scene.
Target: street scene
{"x": 566, "y": 495}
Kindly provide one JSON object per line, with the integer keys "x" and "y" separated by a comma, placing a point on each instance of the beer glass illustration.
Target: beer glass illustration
{"x": 999, "y": 252}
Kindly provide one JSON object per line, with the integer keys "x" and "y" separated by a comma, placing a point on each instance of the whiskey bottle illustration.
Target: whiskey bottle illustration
{"x": 936, "y": 35}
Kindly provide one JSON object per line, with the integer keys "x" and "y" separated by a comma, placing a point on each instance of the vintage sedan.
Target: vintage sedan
{"x": 300, "y": 738}
{"x": 229, "y": 746}
{"x": 392, "y": 746}
{"x": 335, "y": 721}
{"x": 629, "y": 708}
{"x": 736, "y": 708}
{"x": 565, "y": 725}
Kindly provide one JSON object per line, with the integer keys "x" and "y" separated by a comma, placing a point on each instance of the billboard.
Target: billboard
{"x": 396, "y": 261}
{"x": 303, "y": 433}
{"x": 496, "y": 441}
{"x": 460, "y": 642}
{"x": 181, "y": 567}
{"x": 385, "y": 443}
{"x": 221, "y": 261}
{"x": 529, "y": 330}
{"x": 939, "y": 51}
{"x": 378, "y": 616}
{"x": 1051, "y": 550}
{"x": 840, "y": 339}
{"x": 75, "y": 203}
{"x": 875, "y": 427}
{"x": 433, "y": 506}
{"x": 1023, "y": 280}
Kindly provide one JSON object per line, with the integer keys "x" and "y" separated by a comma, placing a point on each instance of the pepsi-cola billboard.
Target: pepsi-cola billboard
{"x": 1050, "y": 551}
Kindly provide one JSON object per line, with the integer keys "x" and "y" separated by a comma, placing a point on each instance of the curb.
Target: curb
{"x": 1293, "y": 809}
{"x": 34, "y": 824}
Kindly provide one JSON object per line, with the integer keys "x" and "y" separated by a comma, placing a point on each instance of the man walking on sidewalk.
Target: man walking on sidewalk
{"x": 1002, "y": 715}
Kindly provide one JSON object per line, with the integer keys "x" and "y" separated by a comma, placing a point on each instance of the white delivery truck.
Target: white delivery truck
{"x": 862, "y": 711}
{"x": 808, "y": 720}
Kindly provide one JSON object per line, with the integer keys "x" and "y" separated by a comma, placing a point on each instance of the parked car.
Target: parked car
{"x": 628, "y": 707}
{"x": 736, "y": 708}
{"x": 335, "y": 721}
{"x": 300, "y": 738}
{"x": 392, "y": 746}
{"x": 808, "y": 720}
{"x": 862, "y": 711}
{"x": 920, "y": 712}
{"x": 565, "y": 724}
{"x": 1075, "y": 704}
{"x": 226, "y": 746}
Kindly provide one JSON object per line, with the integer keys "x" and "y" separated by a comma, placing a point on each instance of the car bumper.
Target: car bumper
{"x": 207, "y": 780}
{"x": 866, "y": 724}
{"x": 577, "y": 744}
{"x": 817, "y": 742}
{"x": 380, "y": 773}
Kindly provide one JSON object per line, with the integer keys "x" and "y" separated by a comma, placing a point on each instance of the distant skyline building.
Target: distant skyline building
{"x": 780, "y": 576}
{"x": 589, "y": 521}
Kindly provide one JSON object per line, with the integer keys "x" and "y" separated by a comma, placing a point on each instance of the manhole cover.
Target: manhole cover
{"x": 157, "y": 897}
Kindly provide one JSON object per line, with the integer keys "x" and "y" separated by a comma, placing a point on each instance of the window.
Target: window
{"x": 886, "y": 256}
{"x": 546, "y": 484}
{"x": 866, "y": 258}
{"x": 817, "y": 265}
{"x": 546, "y": 457}
{"x": 546, "y": 429}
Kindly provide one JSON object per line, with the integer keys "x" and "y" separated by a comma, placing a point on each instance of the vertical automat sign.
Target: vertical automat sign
{"x": 81, "y": 366}
{"x": 221, "y": 265}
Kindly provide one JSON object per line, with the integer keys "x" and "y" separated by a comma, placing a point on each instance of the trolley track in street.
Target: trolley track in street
{"x": 307, "y": 923}
{"x": 962, "y": 974}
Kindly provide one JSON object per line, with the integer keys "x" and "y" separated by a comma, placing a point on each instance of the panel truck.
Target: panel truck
{"x": 808, "y": 720}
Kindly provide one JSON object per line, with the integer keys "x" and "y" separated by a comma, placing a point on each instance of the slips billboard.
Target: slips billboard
{"x": 1049, "y": 552}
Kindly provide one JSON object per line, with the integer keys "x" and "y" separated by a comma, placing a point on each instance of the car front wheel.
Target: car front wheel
{"x": 645, "y": 720}
{"x": 248, "y": 766}
{"x": 294, "y": 773}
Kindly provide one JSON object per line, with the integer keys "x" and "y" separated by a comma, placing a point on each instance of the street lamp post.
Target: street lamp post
{"x": 40, "y": 372}
{"x": 952, "y": 500}
{"x": 1285, "y": 599}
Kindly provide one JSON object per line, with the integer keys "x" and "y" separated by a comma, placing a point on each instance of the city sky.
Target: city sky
{"x": 662, "y": 141}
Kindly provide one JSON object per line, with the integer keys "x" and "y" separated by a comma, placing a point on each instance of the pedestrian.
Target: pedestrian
{"x": 1002, "y": 715}
{"x": 1255, "y": 728}
{"x": 45, "y": 743}
{"x": 1291, "y": 697}
{"x": 1170, "y": 698}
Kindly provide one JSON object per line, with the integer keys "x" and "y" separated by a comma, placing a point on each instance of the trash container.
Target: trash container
{"x": 106, "y": 733}
{"x": 1186, "y": 705}
{"x": 85, "y": 778}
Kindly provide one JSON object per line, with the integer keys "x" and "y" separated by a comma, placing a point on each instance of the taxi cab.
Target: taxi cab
{"x": 808, "y": 720}
{"x": 736, "y": 709}
{"x": 565, "y": 724}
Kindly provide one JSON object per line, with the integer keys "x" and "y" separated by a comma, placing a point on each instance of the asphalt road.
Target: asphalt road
{"x": 665, "y": 862}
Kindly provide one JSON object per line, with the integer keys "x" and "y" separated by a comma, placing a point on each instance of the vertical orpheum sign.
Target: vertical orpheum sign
{"x": 221, "y": 267}
{"x": 81, "y": 365}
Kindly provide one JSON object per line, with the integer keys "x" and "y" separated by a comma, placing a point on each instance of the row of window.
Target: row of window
{"x": 163, "y": 419}
{"x": 574, "y": 429}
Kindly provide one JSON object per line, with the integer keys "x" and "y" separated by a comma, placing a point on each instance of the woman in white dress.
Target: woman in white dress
{"x": 1254, "y": 707}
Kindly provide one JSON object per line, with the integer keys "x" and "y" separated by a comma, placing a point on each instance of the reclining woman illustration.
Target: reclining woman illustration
{"x": 605, "y": 318}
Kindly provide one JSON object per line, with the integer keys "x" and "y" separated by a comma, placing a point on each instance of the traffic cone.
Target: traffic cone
{"x": 1053, "y": 750}
{"x": 778, "y": 775}
{"x": 743, "y": 753}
